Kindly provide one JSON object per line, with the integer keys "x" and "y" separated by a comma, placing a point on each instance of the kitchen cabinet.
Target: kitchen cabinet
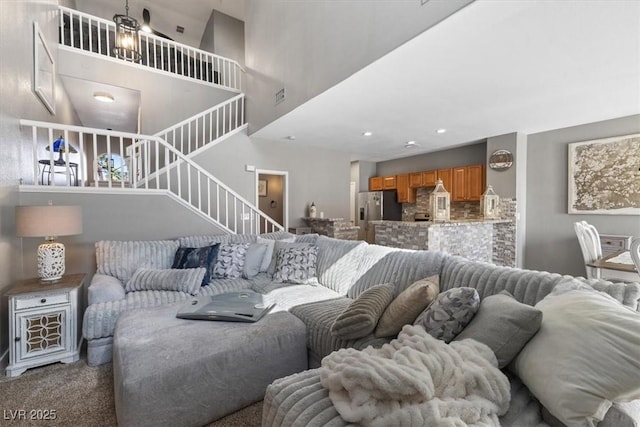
{"x": 405, "y": 193}
{"x": 467, "y": 183}
{"x": 375, "y": 183}
{"x": 389, "y": 182}
{"x": 415, "y": 179}
{"x": 445, "y": 176}
{"x": 429, "y": 178}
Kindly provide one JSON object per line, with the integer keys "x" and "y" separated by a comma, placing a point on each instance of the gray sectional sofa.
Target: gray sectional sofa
{"x": 344, "y": 270}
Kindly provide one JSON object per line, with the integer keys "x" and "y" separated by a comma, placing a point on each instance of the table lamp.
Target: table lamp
{"x": 49, "y": 222}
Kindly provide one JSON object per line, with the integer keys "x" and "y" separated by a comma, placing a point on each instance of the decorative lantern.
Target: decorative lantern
{"x": 126, "y": 37}
{"x": 439, "y": 200}
{"x": 489, "y": 204}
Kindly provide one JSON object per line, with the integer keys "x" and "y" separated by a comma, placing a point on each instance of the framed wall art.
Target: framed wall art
{"x": 44, "y": 70}
{"x": 604, "y": 176}
{"x": 262, "y": 187}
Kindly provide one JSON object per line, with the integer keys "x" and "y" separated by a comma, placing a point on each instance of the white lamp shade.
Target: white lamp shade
{"x": 45, "y": 221}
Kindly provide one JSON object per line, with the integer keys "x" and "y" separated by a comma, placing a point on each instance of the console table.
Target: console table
{"x": 44, "y": 322}
{"x": 49, "y": 167}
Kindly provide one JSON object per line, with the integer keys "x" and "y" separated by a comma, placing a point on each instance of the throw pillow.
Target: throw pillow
{"x": 268, "y": 256}
{"x": 283, "y": 245}
{"x": 503, "y": 324}
{"x": 230, "y": 261}
{"x": 296, "y": 265}
{"x": 196, "y": 257}
{"x": 253, "y": 260}
{"x": 585, "y": 355}
{"x": 186, "y": 280}
{"x": 450, "y": 313}
{"x": 404, "y": 309}
{"x": 360, "y": 318}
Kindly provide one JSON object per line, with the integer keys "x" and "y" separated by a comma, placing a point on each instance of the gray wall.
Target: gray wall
{"x": 224, "y": 36}
{"x": 551, "y": 242}
{"x": 317, "y": 175}
{"x": 309, "y": 46}
{"x": 462, "y": 156}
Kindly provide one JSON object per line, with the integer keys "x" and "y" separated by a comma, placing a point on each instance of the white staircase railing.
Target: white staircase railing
{"x": 127, "y": 160}
{"x": 211, "y": 125}
{"x": 96, "y": 35}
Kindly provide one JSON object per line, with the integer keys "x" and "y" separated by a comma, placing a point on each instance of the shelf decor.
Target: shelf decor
{"x": 440, "y": 203}
{"x": 489, "y": 204}
{"x": 604, "y": 177}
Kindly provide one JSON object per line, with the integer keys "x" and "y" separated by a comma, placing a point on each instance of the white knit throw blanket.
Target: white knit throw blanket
{"x": 417, "y": 380}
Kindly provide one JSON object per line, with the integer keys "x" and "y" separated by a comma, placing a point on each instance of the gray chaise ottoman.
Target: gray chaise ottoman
{"x": 175, "y": 372}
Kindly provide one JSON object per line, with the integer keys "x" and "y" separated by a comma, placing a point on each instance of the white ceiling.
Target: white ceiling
{"x": 494, "y": 67}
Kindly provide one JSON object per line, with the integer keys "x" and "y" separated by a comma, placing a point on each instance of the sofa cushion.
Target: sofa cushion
{"x": 504, "y": 324}
{"x": 197, "y": 257}
{"x": 209, "y": 239}
{"x": 121, "y": 259}
{"x": 585, "y": 355}
{"x": 268, "y": 255}
{"x": 253, "y": 260}
{"x": 296, "y": 265}
{"x": 361, "y": 316}
{"x": 338, "y": 262}
{"x": 187, "y": 280}
{"x": 406, "y": 307}
{"x": 399, "y": 267}
{"x": 105, "y": 288}
{"x": 230, "y": 260}
{"x": 283, "y": 244}
{"x": 450, "y": 313}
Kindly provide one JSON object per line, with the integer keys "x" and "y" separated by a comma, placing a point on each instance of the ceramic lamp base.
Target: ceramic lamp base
{"x": 50, "y": 261}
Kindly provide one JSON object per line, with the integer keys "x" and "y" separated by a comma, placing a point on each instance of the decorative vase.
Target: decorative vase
{"x": 312, "y": 210}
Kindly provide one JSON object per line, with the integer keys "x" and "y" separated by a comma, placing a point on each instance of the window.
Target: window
{"x": 112, "y": 167}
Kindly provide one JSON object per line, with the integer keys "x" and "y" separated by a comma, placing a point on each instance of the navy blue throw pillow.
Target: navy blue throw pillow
{"x": 197, "y": 257}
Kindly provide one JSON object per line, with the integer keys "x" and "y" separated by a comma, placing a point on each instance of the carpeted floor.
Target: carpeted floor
{"x": 80, "y": 396}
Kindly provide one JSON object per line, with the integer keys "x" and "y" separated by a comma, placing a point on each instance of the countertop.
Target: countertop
{"x": 453, "y": 222}
{"x": 307, "y": 218}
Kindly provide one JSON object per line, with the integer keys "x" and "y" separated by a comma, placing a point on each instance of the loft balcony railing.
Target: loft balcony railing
{"x": 94, "y": 35}
{"x": 121, "y": 160}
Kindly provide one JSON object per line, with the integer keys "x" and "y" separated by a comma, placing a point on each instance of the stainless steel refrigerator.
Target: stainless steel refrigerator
{"x": 376, "y": 205}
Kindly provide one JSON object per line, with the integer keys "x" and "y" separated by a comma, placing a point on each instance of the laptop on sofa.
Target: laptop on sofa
{"x": 246, "y": 306}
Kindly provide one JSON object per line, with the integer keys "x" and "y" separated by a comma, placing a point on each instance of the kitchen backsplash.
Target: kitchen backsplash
{"x": 459, "y": 210}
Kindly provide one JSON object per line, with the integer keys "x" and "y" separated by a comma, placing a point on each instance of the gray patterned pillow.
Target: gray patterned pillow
{"x": 296, "y": 265}
{"x": 360, "y": 318}
{"x": 230, "y": 261}
{"x": 182, "y": 280}
{"x": 450, "y": 313}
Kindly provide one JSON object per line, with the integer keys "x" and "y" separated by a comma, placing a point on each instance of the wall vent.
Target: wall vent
{"x": 180, "y": 29}
{"x": 280, "y": 96}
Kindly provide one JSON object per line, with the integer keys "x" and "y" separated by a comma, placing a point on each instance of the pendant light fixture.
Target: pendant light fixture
{"x": 126, "y": 37}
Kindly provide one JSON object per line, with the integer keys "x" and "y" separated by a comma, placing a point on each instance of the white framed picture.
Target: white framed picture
{"x": 262, "y": 187}
{"x": 604, "y": 176}
{"x": 44, "y": 70}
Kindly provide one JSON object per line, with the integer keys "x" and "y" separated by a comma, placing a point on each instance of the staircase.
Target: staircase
{"x": 162, "y": 162}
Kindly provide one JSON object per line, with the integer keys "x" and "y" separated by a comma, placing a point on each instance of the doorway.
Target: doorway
{"x": 272, "y": 196}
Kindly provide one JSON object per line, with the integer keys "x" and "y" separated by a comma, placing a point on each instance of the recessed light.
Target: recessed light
{"x": 367, "y": 133}
{"x": 410, "y": 144}
{"x": 441, "y": 130}
{"x": 291, "y": 137}
{"x": 146, "y": 28}
{"x": 103, "y": 96}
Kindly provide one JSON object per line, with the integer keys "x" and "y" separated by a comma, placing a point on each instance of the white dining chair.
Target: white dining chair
{"x": 634, "y": 249}
{"x": 589, "y": 240}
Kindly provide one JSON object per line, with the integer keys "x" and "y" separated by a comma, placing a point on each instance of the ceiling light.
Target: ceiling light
{"x": 291, "y": 137}
{"x": 410, "y": 144}
{"x": 367, "y": 133}
{"x": 103, "y": 96}
{"x": 126, "y": 45}
{"x": 441, "y": 130}
{"x": 146, "y": 28}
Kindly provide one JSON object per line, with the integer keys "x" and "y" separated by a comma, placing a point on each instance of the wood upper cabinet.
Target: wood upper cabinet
{"x": 446, "y": 176}
{"x": 415, "y": 179}
{"x": 389, "y": 182}
{"x": 468, "y": 183}
{"x": 429, "y": 178}
{"x": 375, "y": 183}
{"x": 405, "y": 193}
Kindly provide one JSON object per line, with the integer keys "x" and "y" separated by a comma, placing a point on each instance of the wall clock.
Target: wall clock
{"x": 501, "y": 160}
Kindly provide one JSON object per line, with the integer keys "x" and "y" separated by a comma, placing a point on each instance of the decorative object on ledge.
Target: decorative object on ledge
{"x": 312, "y": 210}
{"x": 603, "y": 176}
{"x": 440, "y": 203}
{"x": 44, "y": 70}
{"x": 126, "y": 37}
{"x": 501, "y": 160}
{"x": 490, "y": 204}
{"x": 60, "y": 147}
{"x": 49, "y": 222}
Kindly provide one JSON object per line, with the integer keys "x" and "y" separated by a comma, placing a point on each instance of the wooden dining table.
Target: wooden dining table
{"x": 615, "y": 270}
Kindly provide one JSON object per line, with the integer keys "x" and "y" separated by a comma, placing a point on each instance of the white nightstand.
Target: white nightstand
{"x": 44, "y": 322}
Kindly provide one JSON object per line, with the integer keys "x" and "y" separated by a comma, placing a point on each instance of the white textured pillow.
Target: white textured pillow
{"x": 182, "y": 280}
{"x": 268, "y": 255}
{"x": 585, "y": 355}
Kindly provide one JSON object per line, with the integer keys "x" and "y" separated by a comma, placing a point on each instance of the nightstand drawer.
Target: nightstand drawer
{"x": 41, "y": 301}
{"x": 613, "y": 243}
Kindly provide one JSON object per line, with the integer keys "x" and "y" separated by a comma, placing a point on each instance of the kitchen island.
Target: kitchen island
{"x": 333, "y": 227}
{"x": 476, "y": 239}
